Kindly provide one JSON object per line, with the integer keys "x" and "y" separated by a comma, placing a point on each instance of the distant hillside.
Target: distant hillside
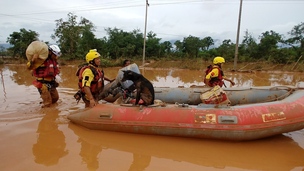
{"x": 6, "y": 45}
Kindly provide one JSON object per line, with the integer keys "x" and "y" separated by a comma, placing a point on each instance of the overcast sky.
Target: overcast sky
{"x": 169, "y": 19}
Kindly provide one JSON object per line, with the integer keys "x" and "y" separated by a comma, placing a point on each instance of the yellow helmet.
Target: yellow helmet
{"x": 92, "y": 55}
{"x": 218, "y": 60}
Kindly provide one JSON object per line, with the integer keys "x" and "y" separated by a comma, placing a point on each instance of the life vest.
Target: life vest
{"x": 214, "y": 80}
{"x": 97, "y": 83}
{"x": 49, "y": 69}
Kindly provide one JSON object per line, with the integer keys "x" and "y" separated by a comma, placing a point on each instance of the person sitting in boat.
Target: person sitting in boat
{"x": 215, "y": 75}
{"x": 115, "y": 89}
{"x": 129, "y": 85}
{"x": 91, "y": 79}
{"x": 126, "y": 62}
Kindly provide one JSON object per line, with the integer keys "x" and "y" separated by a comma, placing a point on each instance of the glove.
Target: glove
{"x": 29, "y": 65}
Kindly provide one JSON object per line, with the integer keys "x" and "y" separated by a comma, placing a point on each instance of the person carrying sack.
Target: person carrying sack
{"x": 42, "y": 61}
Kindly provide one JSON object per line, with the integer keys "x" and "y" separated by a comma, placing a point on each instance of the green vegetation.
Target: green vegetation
{"x": 76, "y": 38}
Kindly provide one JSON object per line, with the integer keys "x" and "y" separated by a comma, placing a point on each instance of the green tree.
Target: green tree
{"x": 191, "y": 46}
{"x": 268, "y": 44}
{"x": 72, "y": 34}
{"x": 124, "y": 44}
{"x": 282, "y": 56}
{"x": 178, "y": 46}
{"x": 297, "y": 39}
{"x": 248, "y": 48}
{"x": 206, "y": 43}
{"x": 86, "y": 42}
{"x": 153, "y": 48}
{"x": 166, "y": 48}
{"x": 226, "y": 49}
{"x": 20, "y": 41}
{"x": 138, "y": 42}
{"x": 179, "y": 49}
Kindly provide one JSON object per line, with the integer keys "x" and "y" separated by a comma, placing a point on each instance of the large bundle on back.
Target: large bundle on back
{"x": 39, "y": 48}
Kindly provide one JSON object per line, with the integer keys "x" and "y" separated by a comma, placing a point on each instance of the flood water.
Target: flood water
{"x": 33, "y": 138}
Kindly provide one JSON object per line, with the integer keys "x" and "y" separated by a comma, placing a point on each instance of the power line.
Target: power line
{"x": 126, "y": 4}
{"x": 106, "y": 6}
{"x": 28, "y": 18}
{"x": 109, "y": 6}
{"x": 134, "y": 3}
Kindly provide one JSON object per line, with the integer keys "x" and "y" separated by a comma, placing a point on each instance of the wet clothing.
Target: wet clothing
{"x": 90, "y": 76}
{"x": 45, "y": 81}
{"x": 47, "y": 71}
{"x": 215, "y": 76}
{"x": 49, "y": 93}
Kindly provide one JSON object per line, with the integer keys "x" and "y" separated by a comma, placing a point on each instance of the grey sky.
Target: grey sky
{"x": 169, "y": 19}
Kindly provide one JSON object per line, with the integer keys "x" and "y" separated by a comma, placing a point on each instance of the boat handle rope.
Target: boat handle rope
{"x": 290, "y": 90}
{"x": 283, "y": 88}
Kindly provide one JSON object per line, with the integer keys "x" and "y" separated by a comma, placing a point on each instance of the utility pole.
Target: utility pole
{"x": 144, "y": 49}
{"x": 237, "y": 37}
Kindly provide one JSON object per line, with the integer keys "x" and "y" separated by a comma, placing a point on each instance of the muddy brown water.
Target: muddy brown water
{"x": 43, "y": 139}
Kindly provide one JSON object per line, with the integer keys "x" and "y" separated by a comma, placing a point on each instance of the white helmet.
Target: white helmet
{"x": 55, "y": 49}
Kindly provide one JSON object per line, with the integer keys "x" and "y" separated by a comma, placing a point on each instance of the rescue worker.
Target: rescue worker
{"x": 45, "y": 74}
{"x": 215, "y": 75}
{"x": 91, "y": 79}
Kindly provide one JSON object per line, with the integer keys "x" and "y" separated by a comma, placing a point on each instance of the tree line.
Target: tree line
{"x": 76, "y": 38}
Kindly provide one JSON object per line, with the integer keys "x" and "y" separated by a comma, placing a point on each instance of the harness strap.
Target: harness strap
{"x": 45, "y": 79}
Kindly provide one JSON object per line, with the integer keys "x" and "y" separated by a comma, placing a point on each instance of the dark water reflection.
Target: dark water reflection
{"x": 275, "y": 153}
{"x": 50, "y": 145}
{"x": 62, "y": 145}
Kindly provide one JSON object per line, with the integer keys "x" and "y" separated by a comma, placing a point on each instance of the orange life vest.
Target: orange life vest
{"x": 49, "y": 69}
{"x": 97, "y": 83}
{"x": 214, "y": 80}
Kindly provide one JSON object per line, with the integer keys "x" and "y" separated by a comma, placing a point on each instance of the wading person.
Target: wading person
{"x": 44, "y": 66}
{"x": 91, "y": 79}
